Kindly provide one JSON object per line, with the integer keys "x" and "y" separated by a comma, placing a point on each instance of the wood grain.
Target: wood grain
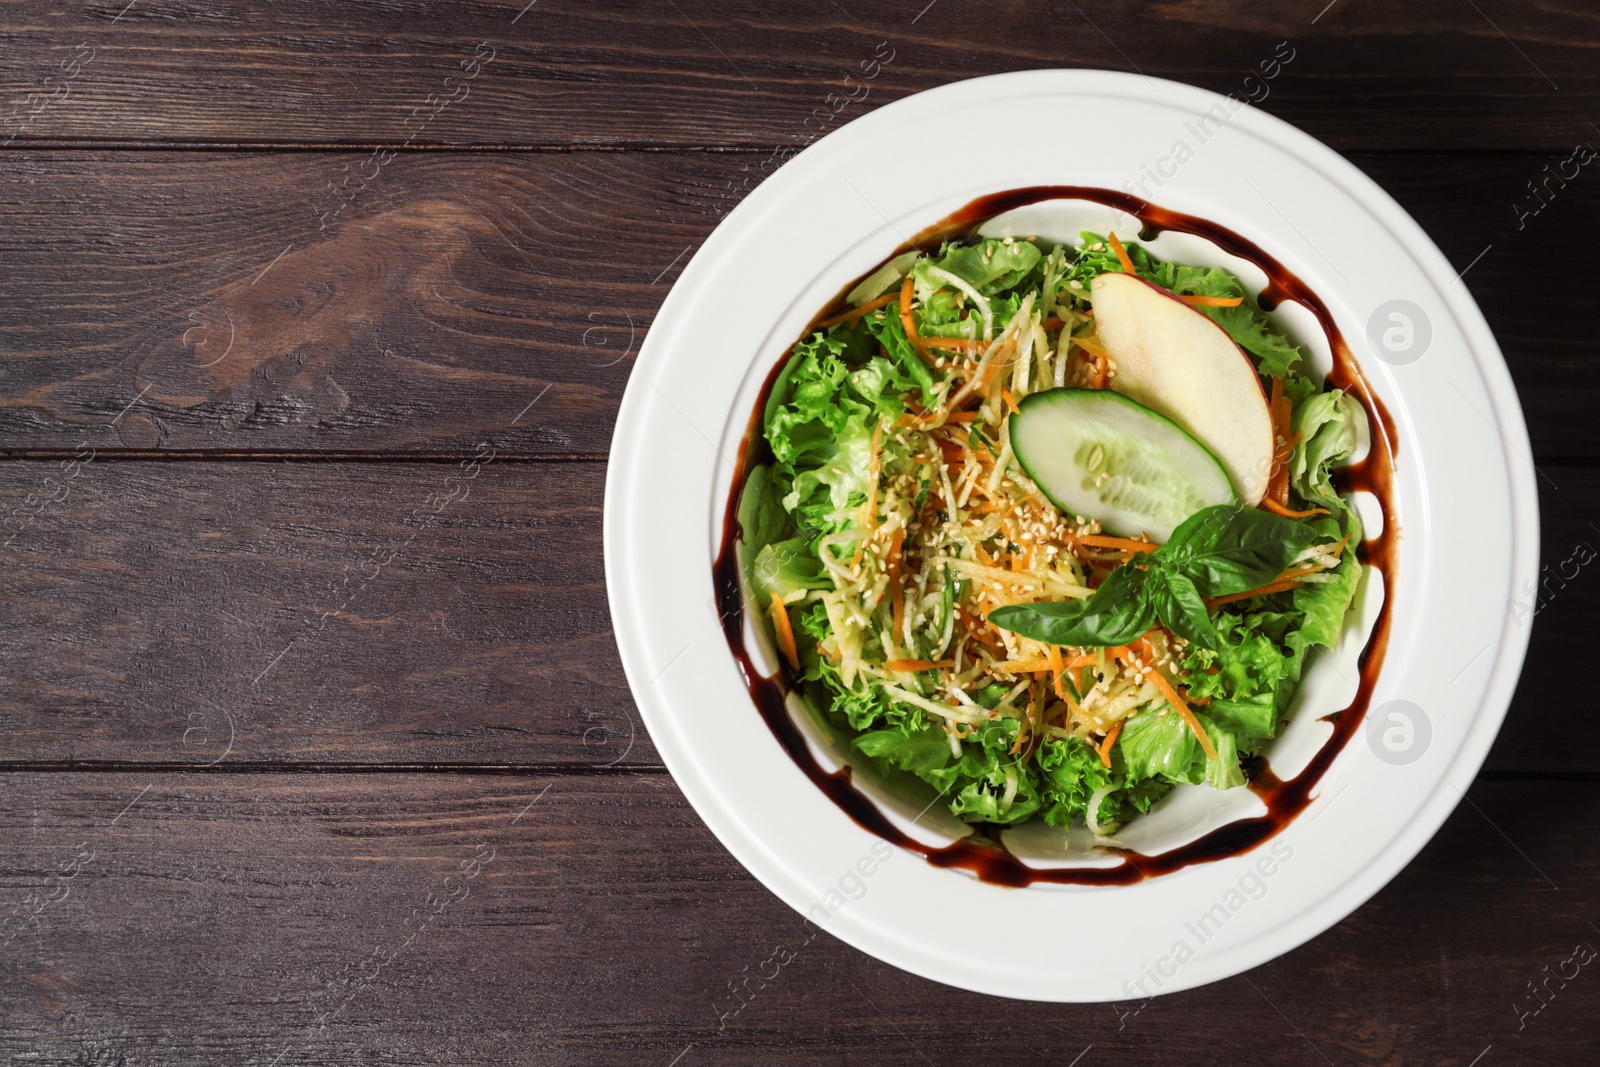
{"x": 1365, "y": 75}
{"x": 366, "y": 613}
{"x": 198, "y": 614}
{"x": 181, "y": 302}
{"x": 239, "y": 918}
{"x": 314, "y": 320}
{"x": 201, "y": 303}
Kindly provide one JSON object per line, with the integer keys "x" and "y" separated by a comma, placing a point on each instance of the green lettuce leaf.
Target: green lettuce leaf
{"x": 821, "y": 431}
{"x": 1248, "y": 664}
{"x": 919, "y": 747}
{"x": 1070, "y": 771}
{"x": 1153, "y": 745}
{"x": 907, "y": 368}
{"x": 785, "y": 567}
{"x": 1326, "y": 604}
{"x": 860, "y": 707}
{"x": 978, "y": 783}
{"x": 1253, "y": 717}
{"x": 990, "y": 266}
{"x": 1223, "y": 772}
{"x": 761, "y": 515}
{"x": 1329, "y": 427}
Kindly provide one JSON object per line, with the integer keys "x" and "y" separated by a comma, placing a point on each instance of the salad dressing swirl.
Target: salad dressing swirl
{"x": 1284, "y": 800}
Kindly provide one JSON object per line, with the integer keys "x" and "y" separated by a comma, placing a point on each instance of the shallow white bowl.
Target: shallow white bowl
{"x": 1463, "y": 465}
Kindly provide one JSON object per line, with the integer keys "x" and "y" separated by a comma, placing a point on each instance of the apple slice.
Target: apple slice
{"x": 1175, "y": 360}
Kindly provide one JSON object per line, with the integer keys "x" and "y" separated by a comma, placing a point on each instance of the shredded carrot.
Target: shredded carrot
{"x": 986, "y": 379}
{"x": 918, "y": 664}
{"x": 1054, "y": 322}
{"x": 1179, "y": 705}
{"x": 1278, "y": 509}
{"x": 1025, "y": 728}
{"x": 1102, "y": 372}
{"x": 977, "y": 631}
{"x": 1125, "y": 544}
{"x": 961, "y": 416}
{"x": 987, "y": 367}
{"x": 1023, "y": 666}
{"x": 780, "y": 624}
{"x": 1122, "y": 254}
{"x": 1005, "y": 394}
{"x": 1287, "y": 580}
{"x": 850, "y": 316}
{"x": 1091, "y": 346}
{"x": 959, "y": 344}
{"x": 871, "y": 506}
{"x": 1056, "y": 668}
{"x": 910, "y": 324}
{"x": 1111, "y": 739}
{"x": 1279, "y": 408}
{"x": 877, "y": 461}
{"x": 1211, "y": 301}
{"x": 1100, "y": 360}
{"x": 1078, "y": 661}
{"x": 896, "y": 590}
{"x": 1279, "y": 586}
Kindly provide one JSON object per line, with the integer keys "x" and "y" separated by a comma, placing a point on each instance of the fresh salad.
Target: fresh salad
{"x": 1051, "y": 528}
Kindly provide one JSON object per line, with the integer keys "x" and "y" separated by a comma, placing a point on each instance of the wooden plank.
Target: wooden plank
{"x": 197, "y": 301}
{"x": 1491, "y": 226}
{"x": 326, "y": 613}
{"x": 455, "y": 289}
{"x": 1363, "y": 76}
{"x": 408, "y": 919}
{"x": 198, "y": 613}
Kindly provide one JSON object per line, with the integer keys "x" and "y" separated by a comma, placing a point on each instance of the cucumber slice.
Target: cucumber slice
{"x": 1098, "y": 454}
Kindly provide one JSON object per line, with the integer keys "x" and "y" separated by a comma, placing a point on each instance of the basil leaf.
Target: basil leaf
{"x": 1118, "y": 612}
{"x": 1229, "y": 549}
{"x": 1181, "y": 608}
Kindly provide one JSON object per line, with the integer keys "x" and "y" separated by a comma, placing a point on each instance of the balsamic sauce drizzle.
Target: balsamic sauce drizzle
{"x": 1284, "y": 800}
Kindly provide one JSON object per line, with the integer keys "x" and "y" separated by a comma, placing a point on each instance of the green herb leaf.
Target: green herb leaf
{"x": 1118, "y": 612}
{"x": 1229, "y": 549}
{"x": 1218, "y": 550}
{"x": 1180, "y": 606}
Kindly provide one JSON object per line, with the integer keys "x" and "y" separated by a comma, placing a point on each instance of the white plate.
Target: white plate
{"x": 1464, "y": 495}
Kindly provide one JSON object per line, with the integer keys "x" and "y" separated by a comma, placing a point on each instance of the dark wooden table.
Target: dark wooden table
{"x": 314, "y": 321}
